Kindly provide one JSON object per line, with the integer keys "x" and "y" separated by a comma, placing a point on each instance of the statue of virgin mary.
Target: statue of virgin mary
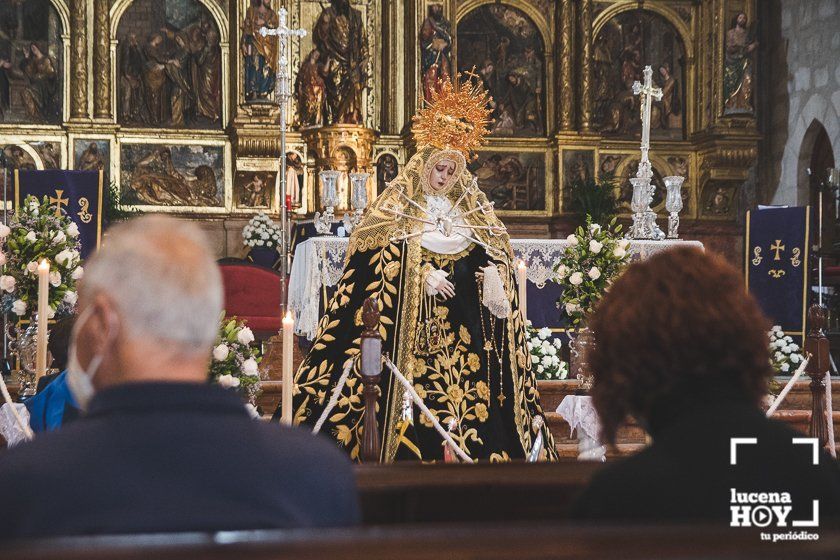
{"x": 439, "y": 262}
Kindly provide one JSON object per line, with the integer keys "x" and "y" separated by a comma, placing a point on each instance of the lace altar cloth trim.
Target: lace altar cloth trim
{"x": 9, "y": 428}
{"x": 319, "y": 263}
{"x": 579, "y": 413}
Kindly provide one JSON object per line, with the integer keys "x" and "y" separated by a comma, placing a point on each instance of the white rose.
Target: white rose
{"x": 73, "y": 230}
{"x": 4, "y": 231}
{"x": 2, "y": 258}
{"x": 71, "y": 298}
{"x": 64, "y": 257}
{"x": 595, "y": 228}
{"x": 19, "y": 307}
{"x": 545, "y": 346}
{"x": 624, "y": 244}
{"x": 228, "y": 381}
{"x": 594, "y": 273}
{"x": 540, "y": 369}
{"x": 572, "y": 239}
{"x": 31, "y": 237}
{"x": 249, "y": 367}
{"x": 619, "y": 253}
{"x": 245, "y": 336}
{"x": 552, "y": 350}
{"x": 78, "y": 273}
{"x": 546, "y": 361}
{"x": 530, "y": 345}
{"x": 50, "y": 312}
{"x": 779, "y": 356}
{"x": 7, "y": 283}
{"x": 576, "y": 279}
{"x": 558, "y": 343}
{"x": 32, "y": 267}
{"x": 794, "y": 347}
{"x": 595, "y": 246}
{"x": 59, "y": 237}
{"x": 544, "y": 333}
{"x": 55, "y": 278}
{"x": 220, "y": 352}
{"x": 785, "y": 367}
{"x": 572, "y": 308}
{"x": 562, "y": 271}
{"x": 794, "y": 358}
{"x": 261, "y": 243}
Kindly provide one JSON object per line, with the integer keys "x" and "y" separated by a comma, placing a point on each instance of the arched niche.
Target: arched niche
{"x": 507, "y": 47}
{"x": 34, "y": 50}
{"x": 626, "y": 40}
{"x": 816, "y": 155}
{"x": 186, "y": 86}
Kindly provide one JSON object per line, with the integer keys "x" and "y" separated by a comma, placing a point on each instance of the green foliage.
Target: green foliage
{"x": 114, "y": 211}
{"x": 595, "y": 198}
{"x": 596, "y": 256}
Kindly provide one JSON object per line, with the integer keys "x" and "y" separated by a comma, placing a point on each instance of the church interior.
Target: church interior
{"x": 535, "y": 235}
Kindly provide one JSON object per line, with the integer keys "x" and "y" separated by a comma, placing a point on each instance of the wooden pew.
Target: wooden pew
{"x": 411, "y": 493}
{"x": 447, "y": 542}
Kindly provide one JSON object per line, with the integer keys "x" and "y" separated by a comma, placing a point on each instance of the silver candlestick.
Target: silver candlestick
{"x": 673, "y": 204}
{"x": 329, "y": 196}
{"x": 358, "y": 200}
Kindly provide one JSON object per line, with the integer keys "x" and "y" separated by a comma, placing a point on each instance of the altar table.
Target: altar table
{"x": 319, "y": 264}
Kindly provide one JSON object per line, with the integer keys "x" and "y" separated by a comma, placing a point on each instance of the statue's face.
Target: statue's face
{"x": 441, "y": 174}
{"x": 742, "y": 20}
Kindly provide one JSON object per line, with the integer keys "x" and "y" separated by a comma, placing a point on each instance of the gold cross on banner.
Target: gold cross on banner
{"x": 777, "y": 247}
{"x": 58, "y": 201}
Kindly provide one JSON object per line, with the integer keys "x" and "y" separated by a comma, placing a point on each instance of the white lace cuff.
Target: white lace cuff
{"x": 494, "y": 297}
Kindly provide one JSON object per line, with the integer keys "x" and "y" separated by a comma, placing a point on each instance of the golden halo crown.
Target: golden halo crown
{"x": 456, "y": 117}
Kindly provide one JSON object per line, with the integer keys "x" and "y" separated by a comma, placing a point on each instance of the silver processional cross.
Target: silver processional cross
{"x": 648, "y": 93}
{"x": 283, "y": 92}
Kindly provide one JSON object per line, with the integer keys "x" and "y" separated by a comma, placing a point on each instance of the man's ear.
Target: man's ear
{"x": 104, "y": 324}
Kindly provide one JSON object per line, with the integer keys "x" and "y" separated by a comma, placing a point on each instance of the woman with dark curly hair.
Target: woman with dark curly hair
{"x": 681, "y": 347}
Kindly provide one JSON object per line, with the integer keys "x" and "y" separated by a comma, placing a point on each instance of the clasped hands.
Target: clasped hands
{"x": 438, "y": 284}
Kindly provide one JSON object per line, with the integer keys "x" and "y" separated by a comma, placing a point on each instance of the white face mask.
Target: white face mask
{"x": 79, "y": 380}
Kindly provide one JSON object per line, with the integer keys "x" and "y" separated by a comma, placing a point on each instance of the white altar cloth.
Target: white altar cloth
{"x": 319, "y": 263}
{"x": 579, "y": 412}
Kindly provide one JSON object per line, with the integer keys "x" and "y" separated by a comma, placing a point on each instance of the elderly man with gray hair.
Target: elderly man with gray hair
{"x": 159, "y": 449}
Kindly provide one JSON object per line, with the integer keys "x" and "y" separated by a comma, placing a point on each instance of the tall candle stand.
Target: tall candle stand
{"x": 329, "y": 196}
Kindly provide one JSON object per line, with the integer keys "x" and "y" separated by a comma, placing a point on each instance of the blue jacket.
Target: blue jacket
{"x": 161, "y": 457}
{"x": 52, "y": 406}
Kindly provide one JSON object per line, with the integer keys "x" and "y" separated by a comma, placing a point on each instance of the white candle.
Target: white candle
{"x": 288, "y": 374}
{"x": 43, "y": 306}
{"x": 522, "y": 280}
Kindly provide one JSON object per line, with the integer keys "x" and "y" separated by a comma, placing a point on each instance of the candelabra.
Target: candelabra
{"x": 329, "y": 196}
{"x": 358, "y": 200}
{"x": 673, "y": 204}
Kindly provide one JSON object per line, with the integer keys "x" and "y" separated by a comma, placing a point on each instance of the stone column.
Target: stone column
{"x": 78, "y": 60}
{"x": 586, "y": 66}
{"x": 101, "y": 61}
{"x": 566, "y": 49}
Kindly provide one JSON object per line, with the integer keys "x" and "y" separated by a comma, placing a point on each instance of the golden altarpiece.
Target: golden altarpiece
{"x": 174, "y": 99}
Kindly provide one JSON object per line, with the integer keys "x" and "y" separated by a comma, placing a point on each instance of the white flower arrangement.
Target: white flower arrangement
{"x": 261, "y": 231}
{"x": 784, "y": 354}
{"x": 33, "y": 234}
{"x": 545, "y": 354}
{"x": 235, "y": 363}
{"x": 595, "y": 257}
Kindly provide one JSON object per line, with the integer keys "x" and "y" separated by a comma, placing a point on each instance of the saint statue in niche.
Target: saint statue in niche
{"x": 738, "y": 68}
{"x": 258, "y": 52}
{"x": 435, "y": 50}
{"x": 341, "y": 63}
{"x": 449, "y": 309}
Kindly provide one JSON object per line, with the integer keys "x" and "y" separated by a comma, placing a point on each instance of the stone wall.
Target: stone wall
{"x": 801, "y": 42}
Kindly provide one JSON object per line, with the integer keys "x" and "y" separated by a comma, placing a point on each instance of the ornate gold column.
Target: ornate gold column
{"x": 78, "y": 60}
{"x": 566, "y": 48}
{"x": 101, "y": 61}
{"x": 586, "y": 66}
